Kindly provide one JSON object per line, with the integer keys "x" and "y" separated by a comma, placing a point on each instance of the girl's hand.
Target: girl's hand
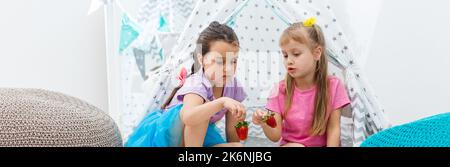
{"x": 257, "y": 117}
{"x": 235, "y": 107}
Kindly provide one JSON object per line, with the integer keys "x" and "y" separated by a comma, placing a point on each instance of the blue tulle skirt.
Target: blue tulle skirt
{"x": 164, "y": 129}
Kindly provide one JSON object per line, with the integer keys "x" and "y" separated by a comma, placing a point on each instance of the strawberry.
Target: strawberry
{"x": 270, "y": 120}
{"x": 242, "y": 130}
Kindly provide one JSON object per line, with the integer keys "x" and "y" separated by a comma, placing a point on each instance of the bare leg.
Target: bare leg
{"x": 293, "y": 145}
{"x": 194, "y": 136}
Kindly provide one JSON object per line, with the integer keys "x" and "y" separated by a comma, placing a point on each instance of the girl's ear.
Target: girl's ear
{"x": 317, "y": 53}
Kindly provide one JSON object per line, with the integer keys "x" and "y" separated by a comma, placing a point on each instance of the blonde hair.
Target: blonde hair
{"x": 313, "y": 37}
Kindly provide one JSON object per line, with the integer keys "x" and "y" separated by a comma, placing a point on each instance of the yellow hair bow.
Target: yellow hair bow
{"x": 309, "y": 22}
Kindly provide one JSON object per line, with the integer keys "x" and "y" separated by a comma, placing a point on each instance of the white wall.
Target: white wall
{"x": 409, "y": 61}
{"x": 52, "y": 44}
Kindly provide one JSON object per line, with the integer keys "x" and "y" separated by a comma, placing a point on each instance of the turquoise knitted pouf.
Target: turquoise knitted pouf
{"x": 433, "y": 131}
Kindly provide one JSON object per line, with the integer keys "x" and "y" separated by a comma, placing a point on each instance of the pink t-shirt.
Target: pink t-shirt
{"x": 299, "y": 120}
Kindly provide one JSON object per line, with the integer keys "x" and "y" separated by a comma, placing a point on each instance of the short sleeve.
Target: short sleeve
{"x": 340, "y": 97}
{"x": 274, "y": 102}
{"x": 240, "y": 94}
{"x": 194, "y": 86}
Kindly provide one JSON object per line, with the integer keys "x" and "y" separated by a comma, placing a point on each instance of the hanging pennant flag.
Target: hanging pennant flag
{"x": 161, "y": 54}
{"x": 140, "y": 62}
{"x": 128, "y": 33}
{"x": 163, "y": 26}
{"x": 147, "y": 52}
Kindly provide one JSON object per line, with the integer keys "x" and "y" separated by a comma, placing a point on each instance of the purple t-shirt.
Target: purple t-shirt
{"x": 198, "y": 84}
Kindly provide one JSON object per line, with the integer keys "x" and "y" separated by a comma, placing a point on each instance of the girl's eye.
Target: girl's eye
{"x": 297, "y": 54}
{"x": 285, "y": 56}
{"x": 219, "y": 61}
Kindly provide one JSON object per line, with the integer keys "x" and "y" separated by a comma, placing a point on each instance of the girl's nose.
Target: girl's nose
{"x": 228, "y": 68}
{"x": 290, "y": 61}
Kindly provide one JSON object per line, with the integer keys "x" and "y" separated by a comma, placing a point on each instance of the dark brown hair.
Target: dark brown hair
{"x": 214, "y": 32}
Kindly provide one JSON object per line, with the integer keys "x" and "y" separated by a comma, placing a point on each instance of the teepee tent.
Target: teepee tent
{"x": 259, "y": 24}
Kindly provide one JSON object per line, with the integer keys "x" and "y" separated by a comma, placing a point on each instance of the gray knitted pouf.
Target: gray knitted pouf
{"x": 40, "y": 118}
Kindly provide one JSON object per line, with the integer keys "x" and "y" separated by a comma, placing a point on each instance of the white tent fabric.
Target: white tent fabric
{"x": 359, "y": 24}
{"x": 259, "y": 24}
{"x": 175, "y": 12}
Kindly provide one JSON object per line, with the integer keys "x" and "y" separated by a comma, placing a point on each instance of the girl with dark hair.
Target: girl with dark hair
{"x": 209, "y": 94}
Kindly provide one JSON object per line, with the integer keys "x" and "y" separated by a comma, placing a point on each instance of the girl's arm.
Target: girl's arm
{"x": 273, "y": 134}
{"x": 230, "y": 122}
{"x": 196, "y": 111}
{"x": 334, "y": 129}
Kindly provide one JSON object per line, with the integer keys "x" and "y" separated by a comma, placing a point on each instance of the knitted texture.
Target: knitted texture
{"x": 433, "y": 131}
{"x": 39, "y": 118}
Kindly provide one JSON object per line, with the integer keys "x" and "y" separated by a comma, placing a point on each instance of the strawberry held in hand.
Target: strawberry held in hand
{"x": 242, "y": 130}
{"x": 270, "y": 120}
